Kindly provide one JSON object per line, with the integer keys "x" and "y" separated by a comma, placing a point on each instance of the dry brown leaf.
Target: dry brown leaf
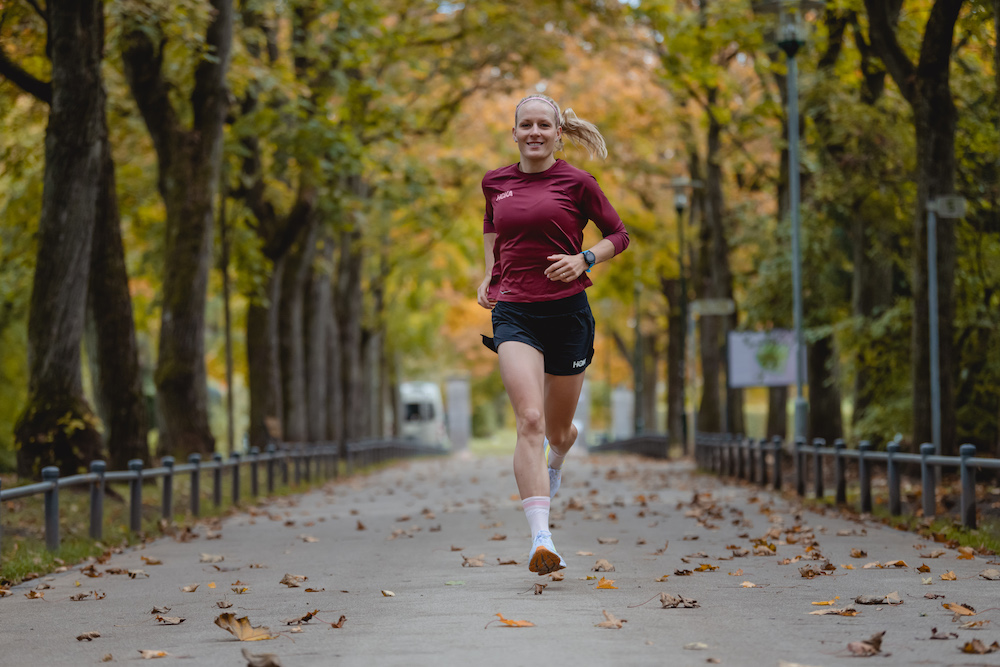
{"x": 847, "y": 567}
{"x": 874, "y": 565}
{"x": 340, "y": 623}
{"x": 557, "y": 576}
{"x": 607, "y": 540}
{"x": 602, "y": 565}
{"x": 960, "y": 610}
{"x": 315, "y": 590}
{"x": 858, "y": 553}
{"x": 867, "y": 647}
{"x": 388, "y": 594}
{"x": 240, "y": 590}
{"x": 705, "y": 567}
{"x": 584, "y": 553}
{"x": 539, "y": 588}
{"x": 476, "y": 561}
{"x": 292, "y": 580}
{"x": 301, "y": 619}
{"x": 149, "y": 654}
{"x": 682, "y": 573}
{"x": 610, "y": 621}
{"x": 827, "y": 603}
{"x": 160, "y": 610}
{"x": 979, "y": 648}
{"x": 88, "y": 636}
{"x": 749, "y": 584}
{"x": 737, "y": 573}
{"x": 241, "y": 628}
{"x": 454, "y": 548}
{"x": 662, "y": 578}
{"x": 669, "y": 601}
{"x": 170, "y": 620}
{"x": 974, "y": 625}
{"x": 923, "y": 568}
{"x": 498, "y": 537}
{"x": 966, "y": 553}
{"x": 896, "y": 563}
{"x": 933, "y": 596}
{"x": 35, "y": 595}
{"x": 509, "y": 561}
{"x": 849, "y": 610}
{"x": 261, "y": 659}
{"x": 943, "y": 635}
{"x": 606, "y": 583}
{"x": 512, "y": 623}
{"x": 150, "y": 560}
{"x": 211, "y": 558}
{"x": 949, "y": 576}
{"x": 308, "y": 538}
{"x": 223, "y": 604}
{"x": 991, "y": 574}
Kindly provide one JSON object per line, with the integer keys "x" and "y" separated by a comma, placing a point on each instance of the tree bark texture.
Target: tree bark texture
{"x": 825, "y": 417}
{"x": 675, "y": 360}
{"x": 189, "y": 161}
{"x": 118, "y": 380}
{"x": 318, "y": 306}
{"x": 58, "y": 427}
{"x": 926, "y": 87}
{"x": 350, "y": 310}
{"x": 291, "y": 335}
{"x": 334, "y": 382}
{"x": 262, "y": 363}
{"x": 777, "y": 412}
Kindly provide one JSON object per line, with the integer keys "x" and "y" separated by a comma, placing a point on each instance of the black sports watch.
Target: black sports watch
{"x": 589, "y": 258}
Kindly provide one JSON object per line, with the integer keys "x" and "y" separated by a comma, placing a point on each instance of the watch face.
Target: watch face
{"x": 589, "y": 256}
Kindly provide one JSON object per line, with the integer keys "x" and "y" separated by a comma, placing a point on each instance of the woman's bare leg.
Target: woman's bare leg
{"x": 522, "y": 369}
{"x": 562, "y": 393}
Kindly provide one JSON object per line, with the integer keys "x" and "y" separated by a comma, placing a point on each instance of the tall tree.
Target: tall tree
{"x": 188, "y": 144}
{"x": 58, "y": 426}
{"x": 926, "y": 87}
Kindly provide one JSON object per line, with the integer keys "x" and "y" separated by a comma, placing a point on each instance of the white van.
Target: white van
{"x": 422, "y": 413}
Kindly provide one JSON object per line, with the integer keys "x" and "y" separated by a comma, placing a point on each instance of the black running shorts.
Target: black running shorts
{"x": 562, "y": 330}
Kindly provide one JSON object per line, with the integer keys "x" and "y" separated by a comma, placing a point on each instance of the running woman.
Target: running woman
{"x": 536, "y": 274}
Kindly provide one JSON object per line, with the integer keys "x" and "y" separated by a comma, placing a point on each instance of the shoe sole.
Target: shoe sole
{"x": 545, "y": 562}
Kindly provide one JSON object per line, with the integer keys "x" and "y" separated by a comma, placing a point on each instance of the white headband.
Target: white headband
{"x": 536, "y": 97}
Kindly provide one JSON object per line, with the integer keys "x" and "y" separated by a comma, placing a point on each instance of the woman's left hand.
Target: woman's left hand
{"x": 565, "y": 268}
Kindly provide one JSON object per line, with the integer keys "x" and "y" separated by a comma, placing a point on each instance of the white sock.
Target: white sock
{"x": 536, "y": 509}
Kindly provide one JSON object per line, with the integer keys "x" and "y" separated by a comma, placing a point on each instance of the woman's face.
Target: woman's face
{"x": 536, "y": 131}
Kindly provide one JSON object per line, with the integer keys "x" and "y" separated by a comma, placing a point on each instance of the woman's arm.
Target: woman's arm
{"x": 489, "y": 240}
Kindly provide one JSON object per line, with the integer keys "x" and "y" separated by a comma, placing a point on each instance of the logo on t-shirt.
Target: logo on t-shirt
{"x": 504, "y": 195}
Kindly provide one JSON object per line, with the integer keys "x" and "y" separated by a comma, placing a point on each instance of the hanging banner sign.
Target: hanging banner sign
{"x": 762, "y": 359}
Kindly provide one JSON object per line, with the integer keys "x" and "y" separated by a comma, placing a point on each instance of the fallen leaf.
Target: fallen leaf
{"x": 966, "y": 553}
{"x": 974, "y": 625}
{"x": 88, "y": 636}
{"x": 584, "y": 553}
{"x": 35, "y": 595}
{"x": 896, "y": 563}
{"x": 160, "y": 610}
{"x": 991, "y": 574}
{"x": 498, "y": 537}
{"x": 937, "y": 553}
{"x": 602, "y": 565}
{"x": 388, "y": 594}
{"x": 292, "y": 580}
{"x": 869, "y": 566}
{"x": 682, "y": 573}
{"x": 211, "y": 584}
{"x": 509, "y": 561}
{"x": 610, "y": 621}
{"x": 315, "y": 590}
{"x": 361, "y": 526}
{"x": 933, "y": 596}
{"x": 149, "y": 560}
{"x": 867, "y": 647}
{"x": 943, "y": 635}
{"x": 858, "y": 553}
{"x": 539, "y": 588}
{"x": 223, "y": 604}
{"x": 148, "y": 654}
{"x": 340, "y": 623}
{"x": 926, "y": 581}
{"x": 240, "y": 590}
{"x": 737, "y": 573}
{"x": 476, "y": 561}
{"x": 308, "y": 538}
{"x": 454, "y": 548}
{"x": 662, "y": 578}
{"x": 696, "y": 646}
{"x": 107, "y": 658}
{"x": 849, "y": 610}
{"x": 513, "y": 624}
{"x": 301, "y": 619}
{"x": 241, "y": 628}
{"x": 827, "y": 603}
{"x": 454, "y": 583}
{"x": 979, "y": 648}
{"x": 924, "y": 568}
{"x": 705, "y": 567}
{"x": 847, "y": 567}
{"x": 606, "y": 583}
{"x": 170, "y": 620}
{"x": 607, "y": 540}
{"x": 261, "y": 659}
{"x": 669, "y": 601}
{"x": 211, "y": 558}
{"x": 557, "y": 576}
{"x": 949, "y": 576}
{"x": 960, "y": 610}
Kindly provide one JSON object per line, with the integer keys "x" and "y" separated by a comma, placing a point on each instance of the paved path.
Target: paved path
{"x": 421, "y": 519}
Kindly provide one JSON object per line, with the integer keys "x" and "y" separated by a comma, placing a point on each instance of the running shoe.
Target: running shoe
{"x": 544, "y": 557}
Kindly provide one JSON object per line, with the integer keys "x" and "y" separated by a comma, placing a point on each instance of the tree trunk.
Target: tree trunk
{"x": 825, "y": 417}
{"x": 675, "y": 361}
{"x": 262, "y": 363}
{"x": 317, "y": 312}
{"x": 334, "y": 381}
{"x": 118, "y": 380}
{"x": 926, "y": 86}
{"x": 57, "y": 426}
{"x": 291, "y": 336}
{"x": 777, "y": 412}
{"x": 349, "y": 323}
{"x": 189, "y": 161}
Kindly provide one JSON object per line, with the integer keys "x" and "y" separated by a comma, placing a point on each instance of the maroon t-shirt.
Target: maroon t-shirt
{"x": 542, "y": 214}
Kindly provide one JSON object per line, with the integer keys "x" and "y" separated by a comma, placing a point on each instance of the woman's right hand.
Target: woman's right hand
{"x": 481, "y": 294}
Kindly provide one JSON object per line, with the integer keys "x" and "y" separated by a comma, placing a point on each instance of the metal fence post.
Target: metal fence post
{"x": 271, "y": 449}
{"x": 895, "y": 504}
{"x": 285, "y": 453}
{"x": 800, "y": 468}
{"x": 818, "y": 468}
{"x": 762, "y": 458}
{"x": 168, "y": 488}
{"x": 740, "y": 463}
{"x": 307, "y": 464}
{"x": 777, "y": 447}
{"x": 217, "y": 480}
{"x": 966, "y": 452}
{"x": 51, "y": 474}
{"x": 236, "y": 477}
{"x": 97, "y": 500}
{"x": 298, "y": 465}
{"x": 195, "y": 460}
{"x": 838, "y": 468}
{"x": 927, "y": 477}
{"x": 254, "y": 471}
{"x": 751, "y": 461}
{"x": 864, "y": 476}
{"x": 135, "y": 496}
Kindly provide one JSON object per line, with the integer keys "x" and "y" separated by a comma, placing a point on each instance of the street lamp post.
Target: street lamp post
{"x": 791, "y": 38}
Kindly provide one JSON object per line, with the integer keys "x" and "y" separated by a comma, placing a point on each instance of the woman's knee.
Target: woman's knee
{"x": 562, "y": 438}
{"x": 531, "y": 421}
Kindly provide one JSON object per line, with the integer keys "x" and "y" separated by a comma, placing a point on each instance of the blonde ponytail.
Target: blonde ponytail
{"x": 580, "y": 131}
